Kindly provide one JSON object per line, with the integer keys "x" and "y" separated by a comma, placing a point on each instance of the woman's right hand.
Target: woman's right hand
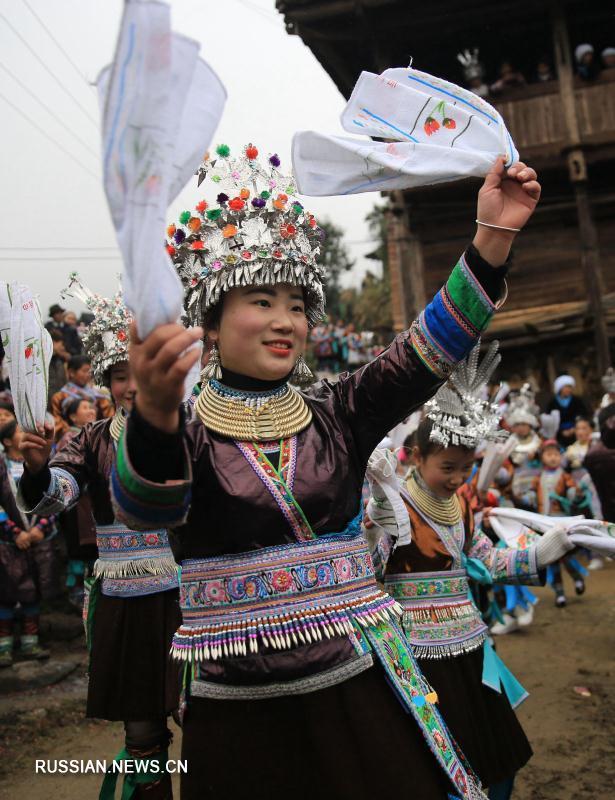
{"x": 160, "y": 364}
{"x": 36, "y": 447}
{"x": 22, "y": 540}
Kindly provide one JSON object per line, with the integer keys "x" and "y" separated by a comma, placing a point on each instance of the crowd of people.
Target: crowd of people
{"x": 339, "y": 347}
{"x": 588, "y": 66}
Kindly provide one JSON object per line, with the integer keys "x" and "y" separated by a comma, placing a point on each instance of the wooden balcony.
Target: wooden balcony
{"x": 536, "y": 121}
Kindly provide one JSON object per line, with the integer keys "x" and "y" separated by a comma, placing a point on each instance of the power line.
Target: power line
{"x": 59, "y": 247}
{"x": 263, "y": 13}
{"x": 62, "y": 258}
{"x": 57, "y": 44}
{"x": 58, "y": 119}
{"x": 46, "y": 68}
{"x": 51, "y": 139}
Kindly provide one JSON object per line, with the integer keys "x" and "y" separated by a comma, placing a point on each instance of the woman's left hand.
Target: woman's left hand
{"x": 508, "y": 197}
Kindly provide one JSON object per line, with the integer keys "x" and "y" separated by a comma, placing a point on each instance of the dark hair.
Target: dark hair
{"x": 56, "y": 335}
{"x": 606, "y": 413}
{"x": 7, "y": 406}
{"x": 550, "y": 444}
{"x": 211, "y": 318}
{"x": 7, "y": 431}
{"x": 76, "y": 362}
{"x": 426, "y": 445}
{"x": 582, "y": 418}
{"x": 71, "y": 406}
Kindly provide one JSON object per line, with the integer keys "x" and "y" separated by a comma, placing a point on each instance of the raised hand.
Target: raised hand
{"x": 507, "y": 200}
{"x": 36, "y": 535}
{"x": 36, "y": 447}
{"x": 508, "y": 197}
{"x": 160, "y": 364}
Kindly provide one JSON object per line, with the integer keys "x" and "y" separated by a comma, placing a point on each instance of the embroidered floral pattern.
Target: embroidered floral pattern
{"x": 440, "y": 619}
{"x": 506, "y": 564}
{"x": 139, "y": 585}
{"x": 406, "y": 679}
{"x": 132, "y": 563}
{"x": 278, "y": 597}
{"x": 62, "y": 493}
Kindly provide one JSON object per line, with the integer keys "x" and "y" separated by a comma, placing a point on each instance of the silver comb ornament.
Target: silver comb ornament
{"x": 460, "y": 411}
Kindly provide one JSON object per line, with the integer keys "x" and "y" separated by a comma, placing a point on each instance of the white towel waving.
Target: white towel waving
{"x": 28, "y": 349}
{"x": 161, "y": 105}
{"x": 437, "y": 132}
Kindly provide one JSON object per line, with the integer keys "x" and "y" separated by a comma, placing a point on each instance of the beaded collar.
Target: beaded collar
{"x": 252, "y": 416}
{"x": 443, "y": 510}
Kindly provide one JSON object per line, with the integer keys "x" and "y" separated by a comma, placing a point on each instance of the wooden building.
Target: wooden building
{"x": 561, "y": 310}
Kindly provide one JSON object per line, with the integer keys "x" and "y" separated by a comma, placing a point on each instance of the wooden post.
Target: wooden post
{"x": 405, "y": 265}
{"x": 577, "y": 171}
{"x": 394, "y": 252}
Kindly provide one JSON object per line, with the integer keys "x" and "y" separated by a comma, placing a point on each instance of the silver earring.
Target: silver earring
{"x": 302, "y": 375}
{"x": 213, "y": 369}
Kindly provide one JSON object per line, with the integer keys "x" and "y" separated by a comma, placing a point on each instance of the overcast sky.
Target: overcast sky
{"x": 53, "y": 212}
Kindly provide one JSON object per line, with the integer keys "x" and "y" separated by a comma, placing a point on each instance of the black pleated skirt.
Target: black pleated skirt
{"x": 131, "y": 675}
{"x": 480, "y": 719}
{"x": 353, "y": 740}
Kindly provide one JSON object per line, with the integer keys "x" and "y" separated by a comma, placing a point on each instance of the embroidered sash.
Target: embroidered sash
{"x": 404, "y": 674}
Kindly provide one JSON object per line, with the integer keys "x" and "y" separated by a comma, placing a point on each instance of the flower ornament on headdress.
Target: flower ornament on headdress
{"x": 460, "y": 412}
{"x": 254, "y": 231}
{"x": 107, "y": 337}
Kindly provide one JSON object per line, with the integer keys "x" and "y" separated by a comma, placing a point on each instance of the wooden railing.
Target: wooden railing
{"x": 535, "y": 118}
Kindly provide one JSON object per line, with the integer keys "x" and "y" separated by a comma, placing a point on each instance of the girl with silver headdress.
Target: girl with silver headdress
{"x": 286, "y": 637}
{"x": 131, "y": 609}
{"x": 428, "y": 567}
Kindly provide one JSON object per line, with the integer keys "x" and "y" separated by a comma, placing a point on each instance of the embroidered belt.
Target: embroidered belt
{"x": 278, "y": 598}
{"x": 439, "y": 617}
{"x": 134, "y": 563}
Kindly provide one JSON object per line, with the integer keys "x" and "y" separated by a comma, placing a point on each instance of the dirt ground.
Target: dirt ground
{"x": 572, "y": 735}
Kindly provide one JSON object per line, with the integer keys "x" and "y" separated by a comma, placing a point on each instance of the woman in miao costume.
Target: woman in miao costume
{"x": 428, "y": 563}
{"x": 132, "y": 608}
{"x": 287, "y": 641}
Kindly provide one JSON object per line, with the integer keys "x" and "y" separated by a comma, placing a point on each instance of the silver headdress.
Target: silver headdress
{"x": 522, "y": 408}
{"x": 107, "y": 337}
{"x": 608, "y": 381}
{"x": 472, "y": 68}
{"x": 460, "y": 412}
{"x": 256, "y": 232}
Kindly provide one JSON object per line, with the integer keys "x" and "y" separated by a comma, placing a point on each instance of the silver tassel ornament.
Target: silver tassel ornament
{"x": 213, "y": 369}
{"x": 301, "y": 375}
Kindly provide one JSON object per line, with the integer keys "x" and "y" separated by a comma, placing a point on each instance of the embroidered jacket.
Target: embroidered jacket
{"x": 427, "y": 552}
{"x": 206, "y": 485}
{"x": 83, "y": 464}
{"x": 429, "y": 578}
